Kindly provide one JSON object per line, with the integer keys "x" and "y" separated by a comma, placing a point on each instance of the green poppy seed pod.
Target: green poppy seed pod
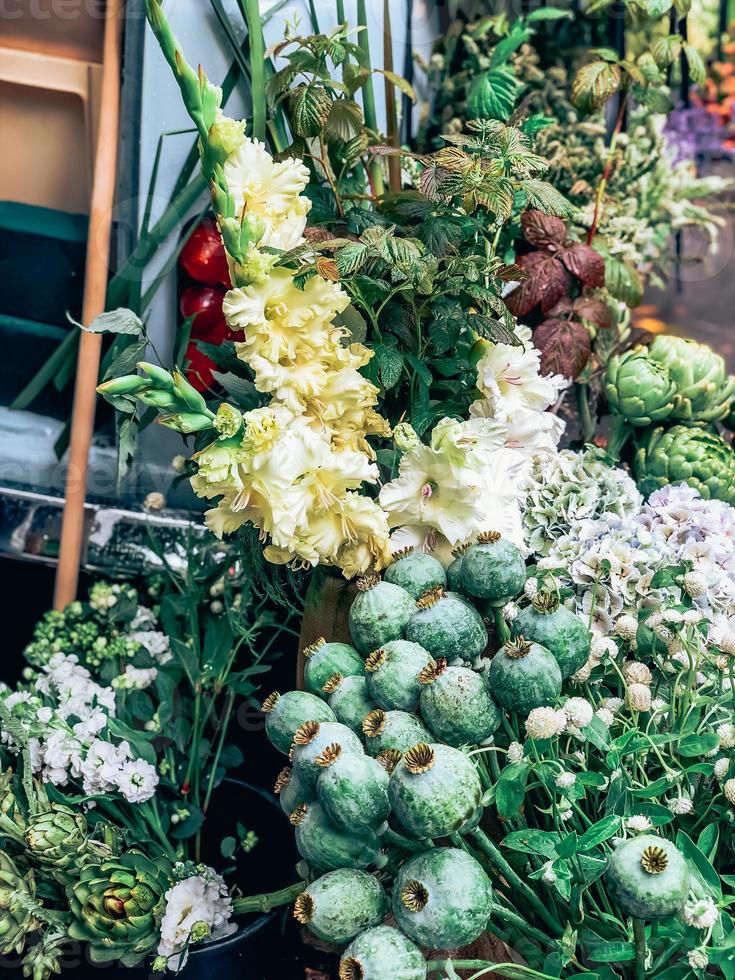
{"x": 647, "y": 877}
{"x": 290, "y": 790}
{"x": 442, "y": 898}
{"x": 493, "y": 569}
{"x": 379, "y": 613}
{"x": 341, "y": 904}
{"x": 384, "y": 730}
{"x": 454, "y": 571}
{"x": 456, "y": 704}
{"x": 353, "y": 789}
{"x": 447, "y": 626}
{"x": 416, "y": 572}
{"x": 324, "y": 660}
{"x": 392, "y": 674}
{"x": 285, "y": 713}
{"x": 557, "y": 628}
{"x": 435, "y": 791}
{"x": 382, "y": 953}
{"x": 350, "y": 700}
{"x": 326, "y": 847}
{"x": 311, "y": 740}
{"x": 524, "y": 676}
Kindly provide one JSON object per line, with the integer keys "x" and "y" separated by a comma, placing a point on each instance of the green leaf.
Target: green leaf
{"x": 228, "y": 847}
{"x": 594, "y": 84}
{"x": 510, "y": 789}
{"x": 665, "y": 49}
{"x": 188, "y": 827}
{"x": 597, "y": 733}
{"x": 389, "y": 362}
{"x": 239, "y": 389}
{"x": 345, "y": 120}
{"x": 543, "y": 196}
{"x": 708, "y": 840}
{"x": 697, "y": 745}
{"x": 601, "y": 831}
{"x": 310, "y": 107}
{"x": 493, "y": 330}
{"x": 351, "y": 258}
{"x": 117, "y": 321}
{"x": 530, "y": 841}
{"x": 697, "y": 70}
{"x": 623, "y": 281}
{"x": 612, "y": 953}
{"x": 699, "y": 866}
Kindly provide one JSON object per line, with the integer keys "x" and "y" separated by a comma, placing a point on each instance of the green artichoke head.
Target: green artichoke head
{"x": 691, "y": 454}
{"x": 640, "y": 388}
{"x": 117, "y": 906}
{"x": 56, "y": 836}
{"x": 17, "y": 897}
{"x": 705, "y": 391}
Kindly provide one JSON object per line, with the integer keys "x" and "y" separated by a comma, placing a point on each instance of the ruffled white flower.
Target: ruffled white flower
{"x": 463, "y": 482}
{"x": 701, "y": 913}
{"x": 155, "y": 642}
{"x": 198, "y": 909}
{"x": 269, "y": 192}
{"x": 545, "y": 723}
{"x": 137, "y": 780}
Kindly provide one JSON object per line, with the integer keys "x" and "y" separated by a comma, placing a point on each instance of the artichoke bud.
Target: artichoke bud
{"x": 114, "y": 906}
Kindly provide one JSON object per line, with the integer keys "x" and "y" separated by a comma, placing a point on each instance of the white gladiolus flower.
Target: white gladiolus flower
{"x": 638, "y": 824}
{"x": 545, "y": 723}
{"x": 701, "y": 913}
{"x": 198, "y": 908}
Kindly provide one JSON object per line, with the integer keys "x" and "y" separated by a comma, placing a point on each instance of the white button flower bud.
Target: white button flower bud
{"x": 626, "y": 627}
{"x": 637, "y": 673}
{"x": 639, "y": 697}
{"x": 695, "y": 584}
{"x": 729, "y": 790}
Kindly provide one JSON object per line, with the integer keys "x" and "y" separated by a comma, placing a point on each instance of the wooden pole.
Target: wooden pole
{"x": 95, "y": 288}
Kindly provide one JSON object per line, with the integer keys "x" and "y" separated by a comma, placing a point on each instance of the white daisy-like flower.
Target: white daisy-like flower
{"x": 680, "y": 805}
{"x": 639, "y": 697}
{"x": 626, "y": 627}
{"x": 701, "y": 913}
{"x": 697, "y": 959}
{"x": 515, "y": 752}
{"x": 638, "y": 824}
{"x": 579, "y": 712}
{"x": 722, "y": 767}
{"x": 546, "y": 723}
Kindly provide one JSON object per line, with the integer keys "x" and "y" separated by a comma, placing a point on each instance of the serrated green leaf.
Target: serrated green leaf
{"x": 594, "y": 84}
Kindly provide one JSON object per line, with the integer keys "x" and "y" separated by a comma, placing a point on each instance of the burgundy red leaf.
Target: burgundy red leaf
{"x": 565, "y": 347}
{"x": 546, "y": 282}
{"x": 543, "y": 229}
{"x": 585, "y": 263}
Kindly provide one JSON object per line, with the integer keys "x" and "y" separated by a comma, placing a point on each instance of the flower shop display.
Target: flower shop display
{"x": 525, "y": 728}
{"x": 115, "y": 744}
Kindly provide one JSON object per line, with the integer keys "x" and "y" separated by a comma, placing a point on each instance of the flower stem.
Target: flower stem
{"x": 602, "y": 186}
{"x": 619, "y": 434}
{"x": 639, "y": 936}
{"x": 502, "y": 866}
{"x": 268, "y": 900}
{"x": 586, "y": 422}
{"x": 501, "y": 627}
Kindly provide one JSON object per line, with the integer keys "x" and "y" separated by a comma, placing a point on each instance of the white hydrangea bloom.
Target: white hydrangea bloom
{"x": 198, "y": 909}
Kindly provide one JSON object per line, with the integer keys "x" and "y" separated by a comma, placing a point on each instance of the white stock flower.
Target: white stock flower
{"x": 135, "y": 678}
{"x": 137, "y": 780}
{"x": 156, "y": 643}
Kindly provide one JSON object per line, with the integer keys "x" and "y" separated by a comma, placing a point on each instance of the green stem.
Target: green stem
{"x": 251, "y": 11}
{"x": 499, "y": 862}
{"x": 518, "y": 922}
{"x": 501, "y": 627}
{"x": 586, "y": 422}
{"x": 639, "y": 936}
{"x": 268, "y": 900}
{"x": 620, "y": 432}
{"x": 391, "y": 837}
{"x": 368, "y": 94}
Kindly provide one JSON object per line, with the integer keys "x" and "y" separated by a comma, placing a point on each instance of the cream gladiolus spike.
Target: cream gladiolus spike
{"x": 293, "y": 468}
